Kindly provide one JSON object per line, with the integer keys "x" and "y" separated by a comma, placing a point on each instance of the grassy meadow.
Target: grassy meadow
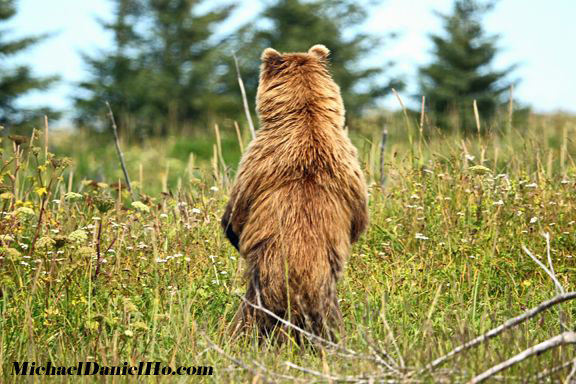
{"x": 88, "y": 273}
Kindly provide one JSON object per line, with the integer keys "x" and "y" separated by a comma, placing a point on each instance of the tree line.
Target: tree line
{"x": 171, "y": 69}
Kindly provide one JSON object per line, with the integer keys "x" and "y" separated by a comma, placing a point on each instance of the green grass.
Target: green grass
{"x": 440, "y": 263}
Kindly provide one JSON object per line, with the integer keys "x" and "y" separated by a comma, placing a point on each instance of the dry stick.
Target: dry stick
{"x": 538, "y": 378}
{"x": 557, "y": 286}
{"x": 118, "y": 150}
{"x": 382, "y": 148}
{"x": 548, "y": 272}
{"x": 244, "y": 99}
{"x": 562, "y": 339}
{"x": 501, "y": 328}
{"x": 571, "y": 375}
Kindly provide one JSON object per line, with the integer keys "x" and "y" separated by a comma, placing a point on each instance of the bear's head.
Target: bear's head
{"x": 295, "y": 82}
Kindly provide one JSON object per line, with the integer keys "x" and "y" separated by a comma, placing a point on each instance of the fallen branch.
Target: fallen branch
{"x": 539, "y": 377}
{"x": 562, "y": 339}
{"x": 501, "y": 328}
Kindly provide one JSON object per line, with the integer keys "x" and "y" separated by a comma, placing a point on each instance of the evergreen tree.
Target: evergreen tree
{"x": 461, "y": 72}
{"x": 296, "y": 25}
{"x": 114, "y": 74}
{"x": 19, "y": 80}
{"x": 161, "y": 75}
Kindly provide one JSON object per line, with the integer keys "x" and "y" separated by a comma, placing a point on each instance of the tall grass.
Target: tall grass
{"x": 88, "y": 275}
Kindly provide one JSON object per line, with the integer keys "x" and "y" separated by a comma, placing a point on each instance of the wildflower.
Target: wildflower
{"x": 86, "y": 252}
{"x": 6, "y": 196}
{"x": 45, "y": 242}
{"x": 24, "y": 211}
{"x": 11, "y": 254}
{"x": 214, "y": 189}
{"x": 480, "y": 169}
{"x": 140, "y": 206}
{"x": 41, "y": 191}
{"x": 128, "y": 333}
{"x": 72, "y": 196}
{"x": 78, "y": 236}
{"x": 533, "y": 220}
{"x": 6, "y": 238}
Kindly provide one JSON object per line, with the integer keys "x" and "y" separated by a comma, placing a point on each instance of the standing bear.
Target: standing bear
{"x": 299, "y": 199}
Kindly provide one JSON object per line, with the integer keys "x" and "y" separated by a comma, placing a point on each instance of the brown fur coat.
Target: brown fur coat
{"x": 299, "y": 199}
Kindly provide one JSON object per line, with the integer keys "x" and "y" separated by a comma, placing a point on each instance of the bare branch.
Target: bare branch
{"x": 539, "y": 377}
{"x": 501, "y": 328}
{"x": 541, "y": 265}
{"x": 562, "y": 339}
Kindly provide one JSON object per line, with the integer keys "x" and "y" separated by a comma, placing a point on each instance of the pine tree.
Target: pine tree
{"x": 115, "y": 75}
{"x": 461, "y": 72}
{"x": 19, "y": 80}
{"x": 296, "y": 25}
{"x": 161, "y": 75}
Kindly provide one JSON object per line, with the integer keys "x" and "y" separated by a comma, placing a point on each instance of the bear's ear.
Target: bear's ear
{"x": 271, "y": 56}
{"x": 320, "y": 51}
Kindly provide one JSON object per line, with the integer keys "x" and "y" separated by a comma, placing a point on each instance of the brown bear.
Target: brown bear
{"x": 299, "y": 199}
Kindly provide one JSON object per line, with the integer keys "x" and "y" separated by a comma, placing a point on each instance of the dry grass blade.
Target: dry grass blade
{"x": 118, "y": 150}
{"x": 244, "y": 98}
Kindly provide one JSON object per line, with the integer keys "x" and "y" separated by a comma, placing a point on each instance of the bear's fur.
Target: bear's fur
{"x": 299, "y": 199}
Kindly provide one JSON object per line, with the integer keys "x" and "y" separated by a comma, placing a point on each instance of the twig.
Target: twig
{"x": 572, "y": 374}
{"x": 118, "y": 150}
{"x": 244, "y": 99}
{"x": 538, "y": 378}
{"x": 562, "y": 339}
{"x": 501, "y": 328}
{"x": 382, "y": 148}
{"x": 548, "y": 272}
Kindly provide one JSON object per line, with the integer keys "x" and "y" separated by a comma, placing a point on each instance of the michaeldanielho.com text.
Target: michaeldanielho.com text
{"x": 92, "y": 368}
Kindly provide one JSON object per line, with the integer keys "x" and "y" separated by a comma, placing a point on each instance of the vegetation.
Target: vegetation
{"x": 461, "y": 73}
{"x": 19, "y": 80}
{"x": 160, "y": 75}
{"x": 93, "y": 273}
{"x": 87, "y": 274}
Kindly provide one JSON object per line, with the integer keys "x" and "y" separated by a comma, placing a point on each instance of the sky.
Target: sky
{"x": 536, "y": 35}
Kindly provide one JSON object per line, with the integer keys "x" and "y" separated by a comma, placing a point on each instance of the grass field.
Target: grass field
{"x": 87, "y": 274}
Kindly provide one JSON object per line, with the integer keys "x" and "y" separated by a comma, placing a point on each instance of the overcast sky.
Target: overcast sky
{"x": 537, "y": 35}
